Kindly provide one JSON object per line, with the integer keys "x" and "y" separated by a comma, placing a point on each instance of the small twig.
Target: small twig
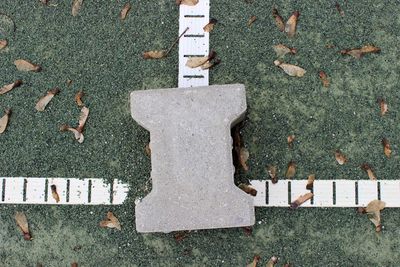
{"x": 175, "y": 42}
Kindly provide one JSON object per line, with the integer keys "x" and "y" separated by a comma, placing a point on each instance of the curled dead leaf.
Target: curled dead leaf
{"x": 290, "y": 140}
{"x": 244, "y": 156}
{"x": 187, "y": 2}
{"x": 310, "y": 182}
{"x": 386, "y": 147}
{"x": 255, "y": 261}
{"x": 366, "y": 167}
{"x": 82, "y": 119}
{"x": 251, "y": 20}
{"x": 78, "y": 136}
{"x": 9, "y": 87}
{"x": 282, "y": 50}
{"x": 291, "y": 70}
{"x": 76, "y": 7}
{"x": 24, "y": 65}
{"x": 300, "y": 200}
{"x": 23, "y": 225}
{"x": 360, "y": 52}
{"x": 291, "y": 170}
{"x": 210, "y": 26}
{"x": 43, "y": 101}
{"x": 78, "y": 98}
{"x": 273, "y": 173}
{"x": 3, "y": 44}
{"x": 124, "y": 11}
{"x": 111, "y": 221}
{"x": 375, "y": 205}
{"x": 4, "y": 120}
{"x": 54, "y": 193}
{"x": 373, "y": 211}
{"x": 248, "y": 189}
{"x": 278, "y": 20}
{"x": 147, "y": 149}
{"x": 383, "y": 106}
{"x": 291, "y": 24}
{"x": 272, "y": 261}
{"x": 340, "y": 157}
{"x": 324, "y": 78}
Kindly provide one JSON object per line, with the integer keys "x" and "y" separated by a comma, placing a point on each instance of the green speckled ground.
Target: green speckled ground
{"x": 102, "y": 56}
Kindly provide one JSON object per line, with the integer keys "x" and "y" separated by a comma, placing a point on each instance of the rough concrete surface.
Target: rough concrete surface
{"x": 191, "y": 157}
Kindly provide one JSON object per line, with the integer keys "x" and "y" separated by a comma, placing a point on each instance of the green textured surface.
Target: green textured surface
{"x": 102, "y": 56}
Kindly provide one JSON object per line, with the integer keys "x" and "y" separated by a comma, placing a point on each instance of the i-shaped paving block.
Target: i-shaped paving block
{"x": 191, "y": 158}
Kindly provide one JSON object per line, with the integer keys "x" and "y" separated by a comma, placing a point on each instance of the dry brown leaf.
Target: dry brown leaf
{"x": 272, "y": 172}
{"x": 124, "y": 11}
{"x": 290, "y": 140}
{"x": 255, "y": 261}
{"x": 244, "y": 156}
{"x": 300, "y": 200}
{"x": 210, "y": 26}
{"x": 54, "y": 193}
{"x": 359, "y": 52}
{"x": 78, "y": 136}
{"x": 210, "y": 64}
{"x": 82, "y": 119}
{"x": 111, "y": 221}
{"x": 195, "y": 62}
{"x": 310, "y": 182}
{"x": 291, "y": 170}
{"x": 272, "y": 261}
{"x": 76, "y": 7}
{"x": 324, "y": 78}
{"x": 248, "y": 189}
{"x": 375, "y": 218}
{"x": 4, "y": 120}
{"x": 9, "y": 87}
{"x": 74, "y": 264}
{"x": 383, "y": 106}
{"x": 291, "y": 24}
{"x": 23, "y": 65}
{"x": 340, "y": 157}
{"x": 291, "y": 70}
{"x": 375, "y": 205}
{"x": 3, "y": 44}
{"x": 278, "y": 20}
{"x": 369, "y": 171}
{"x": 78, "y": 98}
{"x": 69, "y": 82}
{"x": 339, "y": 9}
{"x": 23, "y": 225}
{"x": 251, "y": 20}
{"x": 386, "y": 147}
{"x": 282, "y": 50}
{"x": 42, "y": 103}
{"x": 187, "y": 2}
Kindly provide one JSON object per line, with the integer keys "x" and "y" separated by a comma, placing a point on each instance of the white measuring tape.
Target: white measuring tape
{"x": 195, "y": 42}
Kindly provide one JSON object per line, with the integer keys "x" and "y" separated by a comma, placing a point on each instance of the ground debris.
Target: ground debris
{"x": 324, "y": 78}
{"x": 187, "y": 2}
{"x": 291, "y": 24}
{"x": 386, "y": 147}
{"x": 383, "y": 106}
{"x": 282, "y": 50}
{"x": 111, "y": 221}
{"x": 251, "y": 20}
{"x": 9, "y": 87}
{"x": 373, "y": 211}
{"x": 54, "y": 193}
{"x": 248, "y": 189}
{"x": 210, "y": 26}
{"x": 366, "y": 167}
{"x": 278, "y": 20}
{"x": 360, "y": 52}
{"x": 272, "y": 261}
{"x": 290, "y": 140}
{"x": 291, "y": 70}
{"x": 78, "y": 98}
{"x": 43, "y": 101}
{"x": 291, "y": 169}
{"x": 76, "y": 7}
{"x": 340, "y": 157}
{"x": 24, "y": 65}
{"x": 78, "y": 132}
{"x": 124, "y": 11}
{"x": 4, "y": 120}
{"x": 3, "y": 44}
{"x": 300, "y": 200}
{"x": 310, "y": 182}
{"x": 255, "y": 261}
{"x": 339, "y": 9}
{"x": 273, "y": 173}
{"x": 23, "y": 225}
